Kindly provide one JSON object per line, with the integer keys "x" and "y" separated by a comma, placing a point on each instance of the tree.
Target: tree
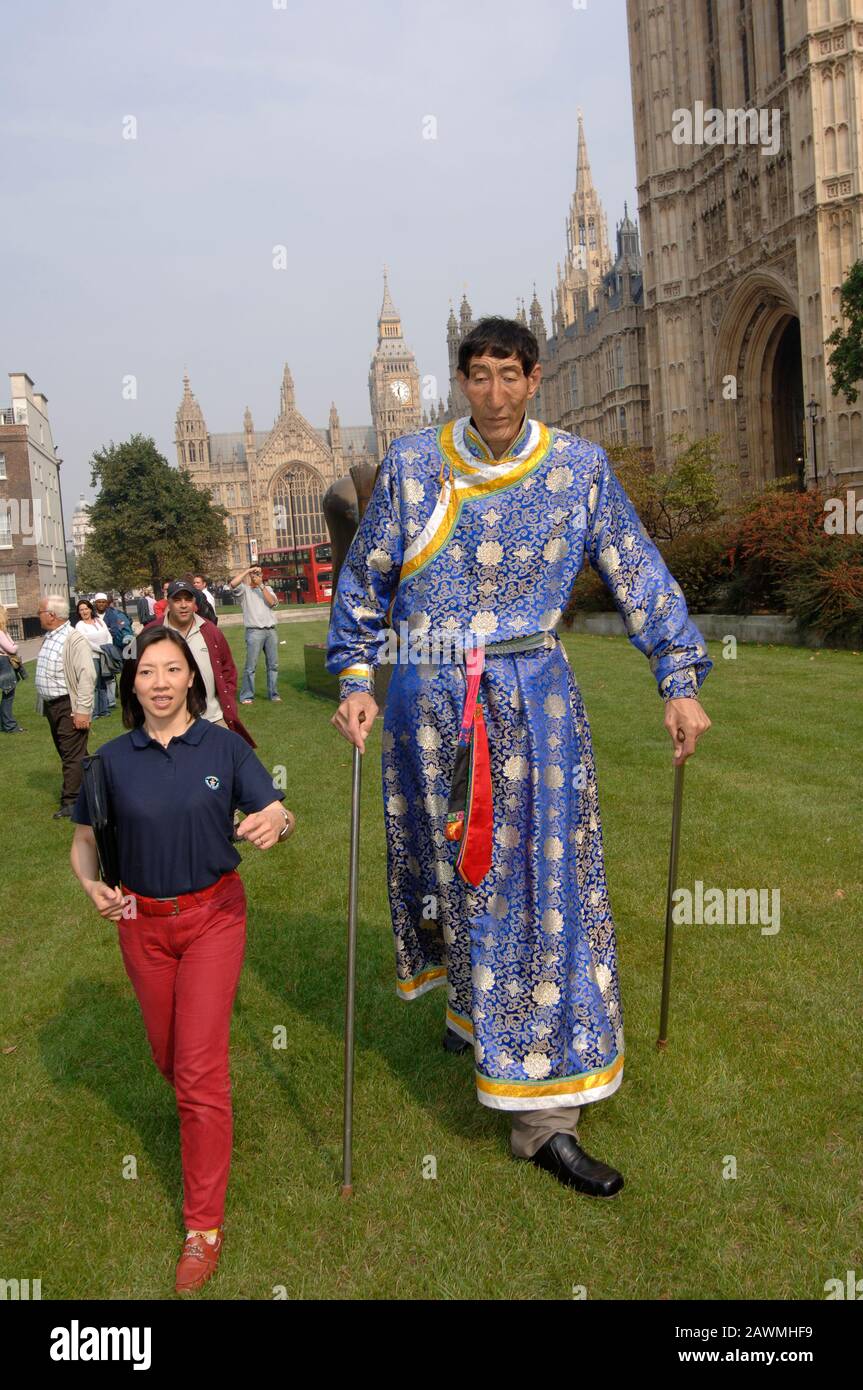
{"x": 150, "y": 520}
{"x": 846, "y": 361}
{"x": 683, "y": 497}
{"x": 94, "y": 571}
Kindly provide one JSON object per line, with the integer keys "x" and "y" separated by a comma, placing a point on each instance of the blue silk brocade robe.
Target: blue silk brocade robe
{"x": 453, "y": 542}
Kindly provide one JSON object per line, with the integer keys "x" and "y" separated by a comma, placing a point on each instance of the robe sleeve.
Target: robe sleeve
{"x": 367, "y": 583}
{"x": 646, "y": 595}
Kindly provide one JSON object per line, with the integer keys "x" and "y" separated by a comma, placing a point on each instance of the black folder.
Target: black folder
{"x": 101, "y": 819}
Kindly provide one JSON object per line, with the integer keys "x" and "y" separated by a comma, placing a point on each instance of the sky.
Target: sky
{"x": 155, "y": 154}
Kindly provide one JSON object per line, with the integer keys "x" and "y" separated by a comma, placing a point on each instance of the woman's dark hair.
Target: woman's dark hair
{"x": 87, "y": 604}
{"x": 196, "y": 695}
{"x": 498, "y": 337}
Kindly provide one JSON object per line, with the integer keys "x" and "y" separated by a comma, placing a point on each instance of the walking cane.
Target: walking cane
{"x": 353, "y": 875}
{"x": 662, "y": 1040}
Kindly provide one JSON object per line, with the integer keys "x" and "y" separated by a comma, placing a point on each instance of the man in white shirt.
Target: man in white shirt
{"x": 65, "y": 682}
{"x": 259, "y": 621}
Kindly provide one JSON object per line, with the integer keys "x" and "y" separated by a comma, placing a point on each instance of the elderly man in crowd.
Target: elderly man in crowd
{"x": 65, "y": 682}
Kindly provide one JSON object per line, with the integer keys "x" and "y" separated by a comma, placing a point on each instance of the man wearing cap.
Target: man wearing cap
{"x": 212, "y": 653}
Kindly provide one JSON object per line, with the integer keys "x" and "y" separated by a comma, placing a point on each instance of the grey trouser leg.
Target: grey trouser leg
{"x": 531, "y": 1128}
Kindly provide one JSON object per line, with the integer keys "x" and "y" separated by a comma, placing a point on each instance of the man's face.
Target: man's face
{"x": 101, "y": 604}
{"x": 256, "y": 577}
{"x": 198, "y": 582}
{"x": 46, "y": 619}
{"x": 182, "y": 608}
{"x": 498, "y": 391}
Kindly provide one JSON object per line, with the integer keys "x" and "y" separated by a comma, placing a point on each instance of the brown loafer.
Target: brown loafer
{"x": 197, "y": 1262}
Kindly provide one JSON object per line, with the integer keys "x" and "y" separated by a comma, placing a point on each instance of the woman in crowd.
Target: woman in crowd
{"x": 174, "y": 782}
{"x": 8, "y": 679}
{"x": 98, "y": 634}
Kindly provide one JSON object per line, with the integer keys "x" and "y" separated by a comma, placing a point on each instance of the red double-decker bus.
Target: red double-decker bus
{"x": 299, "y": 574}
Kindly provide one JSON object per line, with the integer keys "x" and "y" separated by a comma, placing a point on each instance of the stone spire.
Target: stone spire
{"x": 288, "y": 400}
{"x": 248, "y": 425}
{"x": 520, "y": 315}
{"x": 389, "y": 319}
{"x": 190, "y": 436}
{"x": 335, "y": 428}
{"x": 583, "y": 176}
{"x": 588, "y": 257}
{"x": 537, "y": 322}
{"x": 627, "y": 240}
{"x": 465, "y": 315}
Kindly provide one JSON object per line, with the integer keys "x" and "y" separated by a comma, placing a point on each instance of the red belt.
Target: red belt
{"x": 171, "y": 907}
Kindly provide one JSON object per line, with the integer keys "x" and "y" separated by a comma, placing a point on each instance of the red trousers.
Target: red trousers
{"x": 184, "y": 970}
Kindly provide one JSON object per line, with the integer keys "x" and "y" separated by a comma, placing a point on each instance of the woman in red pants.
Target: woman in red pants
{"x": 174, "y": 782}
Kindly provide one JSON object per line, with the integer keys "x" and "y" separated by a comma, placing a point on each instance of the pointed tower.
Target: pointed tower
{"x": 334, "y": 435}
{"x": 588, "y": 257}
{"x": 288, "y": 400}
{"x": 628, "y": 248}
{"x": 191, "y": 438}
{"x": 520, "y": 315}
{"x": 537, "y": 322}
{"x": 452, "y": 342}
{"x": 394, "y": 383}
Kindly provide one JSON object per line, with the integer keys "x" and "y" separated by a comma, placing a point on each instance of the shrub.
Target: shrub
{"x": 824, "y": 591}
{"x": 701, "y": 565}
{"x": 774, "y": 534}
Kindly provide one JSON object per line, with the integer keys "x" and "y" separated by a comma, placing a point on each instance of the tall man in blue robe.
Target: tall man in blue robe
{"x": 459, "y": 572}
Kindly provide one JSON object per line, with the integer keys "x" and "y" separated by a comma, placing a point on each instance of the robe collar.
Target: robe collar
{"x": 475, "y": 448}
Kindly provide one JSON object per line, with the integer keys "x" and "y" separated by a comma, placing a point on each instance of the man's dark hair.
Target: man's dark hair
{"x": 497, "y": 337}
{"x": 196, "y": 695}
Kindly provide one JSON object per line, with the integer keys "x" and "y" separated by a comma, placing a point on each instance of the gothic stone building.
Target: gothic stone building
{"x": 746, "y": 245}
{"x": 272, "y": 482}
{"x": 594, "y": 366}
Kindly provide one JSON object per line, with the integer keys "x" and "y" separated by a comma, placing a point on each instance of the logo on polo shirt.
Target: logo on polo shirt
{"x": 213, "y": 783}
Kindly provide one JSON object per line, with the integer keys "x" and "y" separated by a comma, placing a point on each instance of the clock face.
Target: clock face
{"x": 401, "y": 390}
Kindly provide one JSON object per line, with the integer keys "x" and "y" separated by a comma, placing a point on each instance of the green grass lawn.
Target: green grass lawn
{"x": 763, "y": 1065}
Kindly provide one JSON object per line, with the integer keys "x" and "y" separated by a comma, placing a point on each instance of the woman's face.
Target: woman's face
{"x": 162, "y": 680}
{"x": 85, "y": 612}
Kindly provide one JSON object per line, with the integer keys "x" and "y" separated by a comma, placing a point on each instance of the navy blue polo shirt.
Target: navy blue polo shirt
{"x": 174, "y": 806}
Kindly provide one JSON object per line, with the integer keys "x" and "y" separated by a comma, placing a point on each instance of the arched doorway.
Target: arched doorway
{"x": 784, "y": 369}
{"x": 298, "y": 517}
{"x": 758, "y": 350}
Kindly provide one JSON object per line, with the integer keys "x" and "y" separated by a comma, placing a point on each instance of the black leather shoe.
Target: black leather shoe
{"x": 562, "y": 1156}
{"x": 63, "y": 813}
{"x": 453, "y": 1043}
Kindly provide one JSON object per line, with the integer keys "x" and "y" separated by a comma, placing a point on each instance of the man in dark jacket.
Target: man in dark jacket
{"x": 117, "y": 622}
{"x": 210, "y": 649}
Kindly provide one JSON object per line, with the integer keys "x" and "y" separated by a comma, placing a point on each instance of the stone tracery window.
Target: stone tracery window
{"x": 298, "y": 517}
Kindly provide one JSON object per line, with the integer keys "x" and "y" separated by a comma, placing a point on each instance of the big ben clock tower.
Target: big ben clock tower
{"x": 394, "y": 383}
